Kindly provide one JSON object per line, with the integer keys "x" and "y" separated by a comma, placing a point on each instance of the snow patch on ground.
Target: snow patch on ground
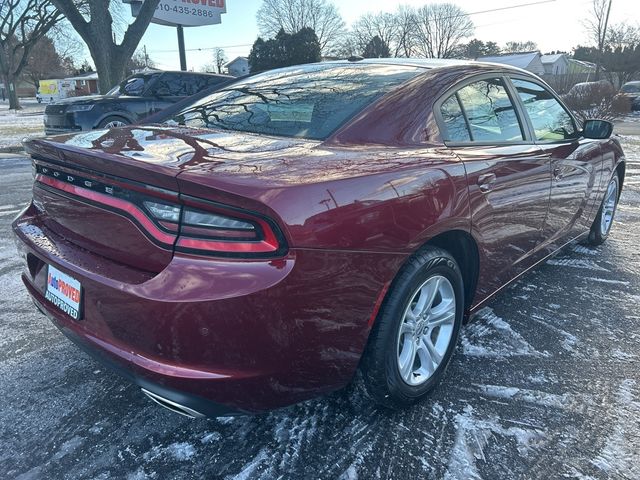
{"x": 180, "y": 451}
{"x": 68, "y": 447}
{"x": 250, "y": 468}
{"x": 16, "y": 125}
{"x": 544, "y": 399}
{"x": 490, "y": 336}
{"x": 576, "y": 263}
{"x": 618, "y": 459}
{"x": 473, "y": 434}
{"x": 605, "y": 280}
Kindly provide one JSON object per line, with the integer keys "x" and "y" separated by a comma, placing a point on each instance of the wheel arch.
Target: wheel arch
{"x": 620, "y": 170}
{"x": 464, "y": 249}
{"x": 112, "y": 114}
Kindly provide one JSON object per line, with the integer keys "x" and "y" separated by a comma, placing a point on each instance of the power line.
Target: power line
{"x": 202, "y": 49}
{"x": 511, "y": 7}
{"x": 503, "y": 8}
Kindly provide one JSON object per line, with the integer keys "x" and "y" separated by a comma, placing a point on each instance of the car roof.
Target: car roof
{"x": 157, "y": 72}
{"x": 425, "y": 63}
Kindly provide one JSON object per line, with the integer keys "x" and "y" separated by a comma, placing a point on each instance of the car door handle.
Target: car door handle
{"x": 486, "y": 181}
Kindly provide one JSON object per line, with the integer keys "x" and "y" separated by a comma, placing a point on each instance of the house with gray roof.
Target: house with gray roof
{"x": 527, "y": 60}
{"x": 557, "y": 64}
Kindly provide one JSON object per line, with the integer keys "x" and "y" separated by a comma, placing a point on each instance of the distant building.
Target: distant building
{"x": 528, "y": 61}
{"x": 238, "y": 67}
{"x": 580, "y": 66}
{"x": 557, "y": 64}
{"x": 86, "y": 84}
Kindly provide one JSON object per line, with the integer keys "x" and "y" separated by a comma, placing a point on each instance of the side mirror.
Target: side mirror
{"x": 597, "y": 129}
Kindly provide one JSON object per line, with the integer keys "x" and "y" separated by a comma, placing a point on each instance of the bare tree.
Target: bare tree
{"x": 94, "y": 22}
{"x": 405, "y": 18}
{"x": 44, "y": 62}
{"x": 622, "y": 35}
{"x": 596, "y": 25}
{"x": 382, "y": 25}
{"x": 220, "y": 58}
{"x": 22, "y": 24}
{"x": 294, "y": 15}
{"x": 515, "y": 47}
{"x": 439, "y": 29}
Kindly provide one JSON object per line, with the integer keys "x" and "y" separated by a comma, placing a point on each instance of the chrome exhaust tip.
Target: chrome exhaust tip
{"x": 173, "y": 406}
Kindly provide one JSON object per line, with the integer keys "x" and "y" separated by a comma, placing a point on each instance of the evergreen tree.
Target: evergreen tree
{"x": 376, "y": 48}
{"x": 285, "y": 50}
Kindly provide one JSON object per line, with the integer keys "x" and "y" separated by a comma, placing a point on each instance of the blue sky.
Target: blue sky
{"x": 556, "y": 25}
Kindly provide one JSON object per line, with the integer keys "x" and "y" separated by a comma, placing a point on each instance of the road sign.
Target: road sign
{"x": 188, "y": 13}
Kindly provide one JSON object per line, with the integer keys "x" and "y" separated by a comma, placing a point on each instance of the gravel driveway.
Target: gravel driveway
{"x": 545, "y": 384}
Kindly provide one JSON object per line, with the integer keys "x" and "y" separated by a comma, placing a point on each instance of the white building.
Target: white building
{"x": 528, "y": 61}
{"x": 238, "y": 67}
{"x": 557, "y": 64}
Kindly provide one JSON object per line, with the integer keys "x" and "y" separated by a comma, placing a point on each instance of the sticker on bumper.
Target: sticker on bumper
{"x": 64, "y": 291}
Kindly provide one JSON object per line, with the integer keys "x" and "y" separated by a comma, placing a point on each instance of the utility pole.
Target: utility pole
{"x": 603, "y": 39}
{"x": 146, "y": 57}
{"x": 183, "y": 55}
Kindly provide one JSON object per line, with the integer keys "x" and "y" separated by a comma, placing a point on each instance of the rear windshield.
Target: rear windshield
{"x": 307, "y": 102}
{"x": 631, "y": 88}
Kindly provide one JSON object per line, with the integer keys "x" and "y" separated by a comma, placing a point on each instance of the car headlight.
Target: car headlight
{"x": 79, "y": 108}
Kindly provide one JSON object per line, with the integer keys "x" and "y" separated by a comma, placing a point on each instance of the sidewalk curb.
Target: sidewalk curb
{"x": 13, "y": 150}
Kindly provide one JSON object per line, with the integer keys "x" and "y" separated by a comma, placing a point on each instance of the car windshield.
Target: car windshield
{"x": 306, "y": 102}
{"x": 132, "y": 86}
{"x": 631, "y": 88}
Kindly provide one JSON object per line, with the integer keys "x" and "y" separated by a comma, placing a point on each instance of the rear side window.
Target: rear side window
{"x": 549, "y": 118}
{"x": 489, "y": 111}
{"x": 173, "y": 85}
{"x": 456, "y": 125}
{"x": 198, "y": 83}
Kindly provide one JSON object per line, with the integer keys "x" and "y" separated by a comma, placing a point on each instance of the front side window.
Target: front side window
{"x": 134, "y": 86}
{"x": 305, "y": 101}
{"x": 550, "y": 120}
{"x": 490, "y": 113}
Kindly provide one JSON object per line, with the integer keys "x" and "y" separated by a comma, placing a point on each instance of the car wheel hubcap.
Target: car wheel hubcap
{"x": 609, "y": 207}
{"x": 426, "y": 330}
{"x": 115, "y": 124}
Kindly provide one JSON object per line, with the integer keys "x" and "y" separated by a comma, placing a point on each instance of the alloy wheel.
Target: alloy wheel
{"x": 426, "y": 330}
{"x": 115, "y": 124}
{"x": 609, "y": 207}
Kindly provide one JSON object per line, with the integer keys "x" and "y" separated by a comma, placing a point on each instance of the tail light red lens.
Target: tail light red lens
{"x": 222, "y": 230}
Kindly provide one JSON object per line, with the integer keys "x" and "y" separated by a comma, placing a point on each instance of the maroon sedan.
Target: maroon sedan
{"x": 270, "y": 239}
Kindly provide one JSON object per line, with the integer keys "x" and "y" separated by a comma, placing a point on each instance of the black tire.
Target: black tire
{"x": 113, "y": 119}
{"x": 599, "y": 233}
{"x": 380, "y": 364}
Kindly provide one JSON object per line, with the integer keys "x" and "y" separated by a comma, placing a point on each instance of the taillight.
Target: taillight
{"x": 214, "y": 229}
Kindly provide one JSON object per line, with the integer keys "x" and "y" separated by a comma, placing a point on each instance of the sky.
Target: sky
{"x": 553, "y": 25}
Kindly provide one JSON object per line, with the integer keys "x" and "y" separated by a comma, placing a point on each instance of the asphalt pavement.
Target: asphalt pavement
{"x": 545, "y": 384}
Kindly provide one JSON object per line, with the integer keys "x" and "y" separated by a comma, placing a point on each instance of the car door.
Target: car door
{"x": 509, "y": 180}
{"x": 575, "y": 162}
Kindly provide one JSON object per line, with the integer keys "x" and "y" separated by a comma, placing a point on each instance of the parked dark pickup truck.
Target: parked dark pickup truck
{"x": 134, "y": 99}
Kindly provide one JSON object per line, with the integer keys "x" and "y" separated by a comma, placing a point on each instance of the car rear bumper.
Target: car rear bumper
{"x": 246, "y": 336}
